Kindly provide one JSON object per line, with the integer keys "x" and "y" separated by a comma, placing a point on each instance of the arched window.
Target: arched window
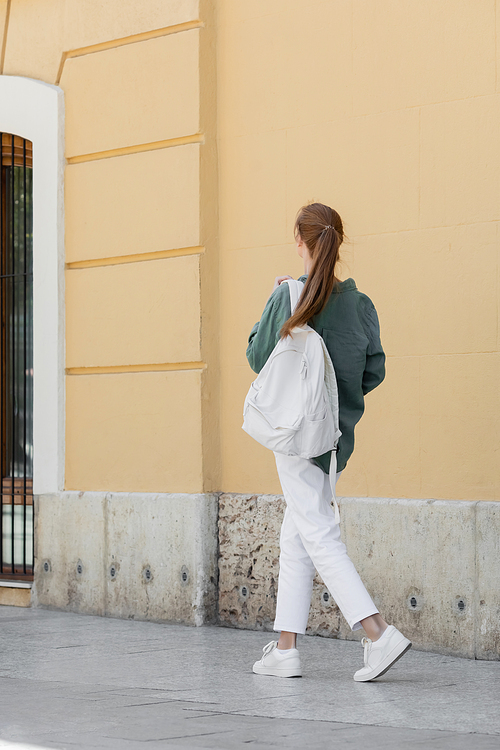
{"x": 16, "y": 356}
{"x": 31, "y": 311}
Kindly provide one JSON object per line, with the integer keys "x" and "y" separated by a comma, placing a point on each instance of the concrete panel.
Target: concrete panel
{"x": 424, "y": 550}
{"x": 129, "y": 314}
{"x": 130, "y": 555}
{"x": 460, "y": 430}
{"x": 367, "y": 168}
{"x": 110, "y": 103}
{"x": 253, "y": 191}
{"x": 163, "y": 550}
{"x": 460, "y": 163}
{"x": 133, "y": 204}
{"x": 443, "y": 52}
{"x": 69, "y": 552}
{"x": 134, "y": 432}
{"x": 488, "y": 591}
{"x": 249, "y": 529}
{"x": 436, "y": 319}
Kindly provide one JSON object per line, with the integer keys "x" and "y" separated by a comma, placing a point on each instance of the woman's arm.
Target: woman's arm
{"x": 265, "y": 334}
{"x": 375, "y": 358}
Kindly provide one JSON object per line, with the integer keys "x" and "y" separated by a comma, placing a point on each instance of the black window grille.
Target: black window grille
{"x": 16, "y": 354}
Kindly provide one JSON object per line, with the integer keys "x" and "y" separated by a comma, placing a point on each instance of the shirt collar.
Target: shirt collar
{"x": 348, "y": 285}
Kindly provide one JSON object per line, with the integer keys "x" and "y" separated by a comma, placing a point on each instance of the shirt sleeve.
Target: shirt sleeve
{"x": 266, "y": 333}
{"x": 375, "y": 358}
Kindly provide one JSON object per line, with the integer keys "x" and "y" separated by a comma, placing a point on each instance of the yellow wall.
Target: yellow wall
{"x": 140, "y": 233}
{"x": 194, "y": 131}
{"x": 389, "y": 111}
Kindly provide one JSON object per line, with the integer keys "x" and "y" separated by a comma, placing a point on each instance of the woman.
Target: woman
{"x": 310, "y": 537}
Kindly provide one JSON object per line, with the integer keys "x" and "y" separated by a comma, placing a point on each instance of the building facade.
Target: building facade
{"x": 172, "y": 145}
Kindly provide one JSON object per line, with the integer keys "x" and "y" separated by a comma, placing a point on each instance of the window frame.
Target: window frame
{"x": 35, "y": 110}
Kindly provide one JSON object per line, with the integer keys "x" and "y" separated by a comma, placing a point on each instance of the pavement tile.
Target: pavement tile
{"x": 74, "y": 681}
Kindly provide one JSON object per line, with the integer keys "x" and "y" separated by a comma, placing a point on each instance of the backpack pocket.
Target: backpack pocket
{"x": 317, "y": 433}
{"x": 274, "y": 427}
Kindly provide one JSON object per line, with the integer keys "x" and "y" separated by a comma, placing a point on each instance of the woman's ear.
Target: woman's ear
{"x": 300, "y": 246}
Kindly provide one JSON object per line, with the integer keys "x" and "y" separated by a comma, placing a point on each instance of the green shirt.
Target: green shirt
{"x": 350, "y": 329}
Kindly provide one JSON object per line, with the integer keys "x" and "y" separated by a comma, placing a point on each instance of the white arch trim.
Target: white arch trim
{"x": 35, "y": 110}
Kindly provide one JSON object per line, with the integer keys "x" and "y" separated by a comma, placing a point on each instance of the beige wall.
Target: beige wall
{"x": 140, "y": 233}
{"x": 186, "y": 141}
{"x": 389, "y": 111}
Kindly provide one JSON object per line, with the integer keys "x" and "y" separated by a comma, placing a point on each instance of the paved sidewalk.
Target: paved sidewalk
{"x": 73, "y": 681}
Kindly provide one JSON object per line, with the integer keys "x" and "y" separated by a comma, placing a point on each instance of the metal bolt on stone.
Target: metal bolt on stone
{"x": 325, "y": 599}
{"x": 244, "y": 592}
{"x": 415, "y": 602}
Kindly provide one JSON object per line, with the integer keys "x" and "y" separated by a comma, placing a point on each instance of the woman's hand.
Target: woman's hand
{"x": 278, "y": 280}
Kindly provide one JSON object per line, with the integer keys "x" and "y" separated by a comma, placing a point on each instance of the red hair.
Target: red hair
{"x": 320, "y": 228}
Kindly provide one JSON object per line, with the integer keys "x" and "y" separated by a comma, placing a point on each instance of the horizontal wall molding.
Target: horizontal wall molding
{"x": 121, "y": 42}
{"x": 136, "y": 257}
{"x": 156, "y": 367}
{"x": 15, "y": 584}
{"x": 139, "y": 148}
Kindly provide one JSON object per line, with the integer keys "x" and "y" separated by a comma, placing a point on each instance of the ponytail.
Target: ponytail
{"x": 321, "y": 230}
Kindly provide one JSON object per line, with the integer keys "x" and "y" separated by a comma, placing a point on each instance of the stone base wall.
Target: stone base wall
{"x": 249, "y": 529}
{"x": 131, "y": 555}
{"x": 430, "y": 566}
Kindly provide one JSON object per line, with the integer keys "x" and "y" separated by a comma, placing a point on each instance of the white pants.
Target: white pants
{"x": 310, "y": 539}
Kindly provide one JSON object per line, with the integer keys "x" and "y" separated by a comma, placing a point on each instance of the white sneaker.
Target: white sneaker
{"x": 277, "y": 663}
{"x": 381, "y": 654}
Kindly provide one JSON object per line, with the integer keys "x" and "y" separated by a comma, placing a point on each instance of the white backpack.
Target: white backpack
{"x": 292, "y": 406}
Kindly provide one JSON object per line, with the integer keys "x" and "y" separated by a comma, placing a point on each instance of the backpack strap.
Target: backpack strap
{"x": 332, "y": 391}
{"x": 295, "y": 288}
{"x": 332, "y": 475}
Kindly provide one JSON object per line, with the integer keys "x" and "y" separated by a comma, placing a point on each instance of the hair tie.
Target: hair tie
{"x": 328, "y": 226}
